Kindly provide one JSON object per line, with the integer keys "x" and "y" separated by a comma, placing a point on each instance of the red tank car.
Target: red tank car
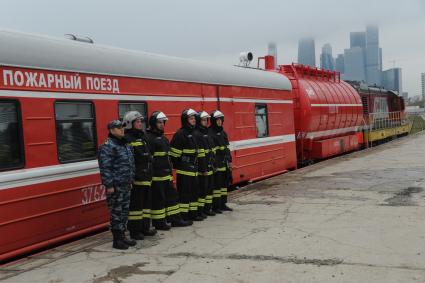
{"x": 328, "y": 113}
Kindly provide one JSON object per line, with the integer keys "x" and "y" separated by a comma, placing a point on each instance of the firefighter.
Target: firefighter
{"x": 184, "y": 155}
{"x": 117, "y": 170}
{"x": 165, "y": 205}
{"x": 205, "y": 164}
{"x": 139, "y": 222}
{"x": 223, "y": 162}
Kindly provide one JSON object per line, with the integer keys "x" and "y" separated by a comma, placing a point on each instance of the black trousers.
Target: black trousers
{"x": 139, "y": 210}
{"x": 220, "y": 189}
{"x": 203, "y": 189}
{"x": 165, "y": 205}
{"x": 187, "y": 187}
{"x": 209, "y": 192}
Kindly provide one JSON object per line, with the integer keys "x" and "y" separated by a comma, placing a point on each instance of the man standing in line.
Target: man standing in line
{"x": 141, "y": 195}
{"x": 117, "y": 170}
{"x": 223, "y": 162}
{"x": 165, "y": 204}
{"x": 184, "y": 155}
{"x": 205, "y": 163}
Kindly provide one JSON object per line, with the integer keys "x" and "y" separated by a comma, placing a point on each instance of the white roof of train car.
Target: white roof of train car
{"x": 43, "y": 52}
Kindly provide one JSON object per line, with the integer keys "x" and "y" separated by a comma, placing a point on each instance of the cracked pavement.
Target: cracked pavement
{"x": 356, "y": 218}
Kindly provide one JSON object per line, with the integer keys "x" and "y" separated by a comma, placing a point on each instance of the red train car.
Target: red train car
{"x": 57, "y": 95}
{"x": 328, "y": 113}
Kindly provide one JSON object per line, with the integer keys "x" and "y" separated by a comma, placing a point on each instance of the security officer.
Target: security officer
{"x": 205, "y": 163}
{"x": 117, "y": 170}
{"x": 184, "y": 155}
{"x": 141, "y": 195}
{"x": 223, "y": 162}
{"x": 165, "y": 204}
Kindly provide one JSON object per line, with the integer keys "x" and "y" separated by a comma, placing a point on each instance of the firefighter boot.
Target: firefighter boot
{"x": 181, "y": 223}
{"x": 127, "y": 241}
{"x": 193, "y": 215}
{"x": 147, "y": 229}
{"x": 136, "y": 235}
{"x": 162, "y": 225}
{"x": 118, "y": 243}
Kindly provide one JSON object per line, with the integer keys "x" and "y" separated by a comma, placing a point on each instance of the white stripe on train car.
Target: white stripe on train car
{"x": 26, "y": 177}
{"x": 243, "y": 144}
{"x": 319, "y": 134}
{"x": 336, "y": 105}
{"x": 73, "y": 95}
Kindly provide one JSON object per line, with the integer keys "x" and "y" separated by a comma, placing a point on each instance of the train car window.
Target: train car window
{"x": 261, "y": 120}
{"x": 75, "y": 131}
{"x": 124, "y": 107}
{"x": 11, "y": 146}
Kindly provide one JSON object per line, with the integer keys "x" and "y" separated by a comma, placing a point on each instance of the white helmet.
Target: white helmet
{"x": 203, "y": 115}
{"x": 217, "y": 114}
{"x": 130, "y": 117}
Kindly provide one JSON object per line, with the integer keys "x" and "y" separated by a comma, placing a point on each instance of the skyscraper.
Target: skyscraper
{"x": 358, "y": 39}
{"x": 307, "y": 52}
{"x": 391, "y": 79}
{"x": 272, "y": 50}
{"x": 423, "y": 85}
{"x": 339, "y": 63}
{"x": 354, "y": 67}
{"x": 327, "y": 61}
{"x": 373, "y": 57}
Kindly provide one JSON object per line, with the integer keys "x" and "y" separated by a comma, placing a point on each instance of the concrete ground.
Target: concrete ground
{"x": 357, "y": 218}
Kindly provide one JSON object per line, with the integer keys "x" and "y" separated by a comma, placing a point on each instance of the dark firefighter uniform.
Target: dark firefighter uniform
{"x": 165, "y": 204}
{"x": 141, "y": 196}
{"x": 206, "y": 157}
{"x": 223, "y": 160}
{"x": 184, "y": 155}
{"x": 117, "y": 170}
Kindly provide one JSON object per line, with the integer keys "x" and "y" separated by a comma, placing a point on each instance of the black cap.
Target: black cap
{"x": 115, "y": 124}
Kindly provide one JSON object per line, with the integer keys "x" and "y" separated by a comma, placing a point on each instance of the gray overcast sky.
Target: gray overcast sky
{"x": 217, "y": 30}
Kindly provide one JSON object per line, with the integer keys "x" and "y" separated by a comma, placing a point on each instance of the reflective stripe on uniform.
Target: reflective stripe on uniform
{"x": 221, "y": 169}
{"x": 184, "y": 207}
{"x": 201, "y": 202}
{"x": 137, "y": 143}
{"x": 146, "y": 213}
{"x": 135, "y": 215}
{"x": 172, "y": 210}
{"x": 160, "y": 153}
{"x": 175, "y": 152}
{"x": 224, "y": 191}
{"x": 142, "y": 183}
{"x": 187, "y": 173}
{"x": 208, "y": 199}
{"x": 186, "y": 150}
{"x": 164, "y": 178}
{"x": 193, "y": 206}
{"x": 216, "y": 193}
{"x": 158, "y": 214}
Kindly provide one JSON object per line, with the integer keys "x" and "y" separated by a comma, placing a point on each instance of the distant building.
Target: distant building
{"x": 423, "y": 85}
{"x": 327, "y": 61}
{"x": 339, "y": 63}
{"x": 392, "y": 80}
{"x": 358, "y": 39}
{"x": 272, "y": 50}
{"x": 307, "y": 52}
{"x": 405, "y": 96}
{"x": 373, "y": 57}
{"x": 354, "y": 64}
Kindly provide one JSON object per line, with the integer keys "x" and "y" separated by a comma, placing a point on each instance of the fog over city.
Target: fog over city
{"x": 216, "y": 31}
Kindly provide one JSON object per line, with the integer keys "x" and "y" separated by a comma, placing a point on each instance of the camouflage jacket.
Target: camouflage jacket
{"x": 116, "y": 163}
